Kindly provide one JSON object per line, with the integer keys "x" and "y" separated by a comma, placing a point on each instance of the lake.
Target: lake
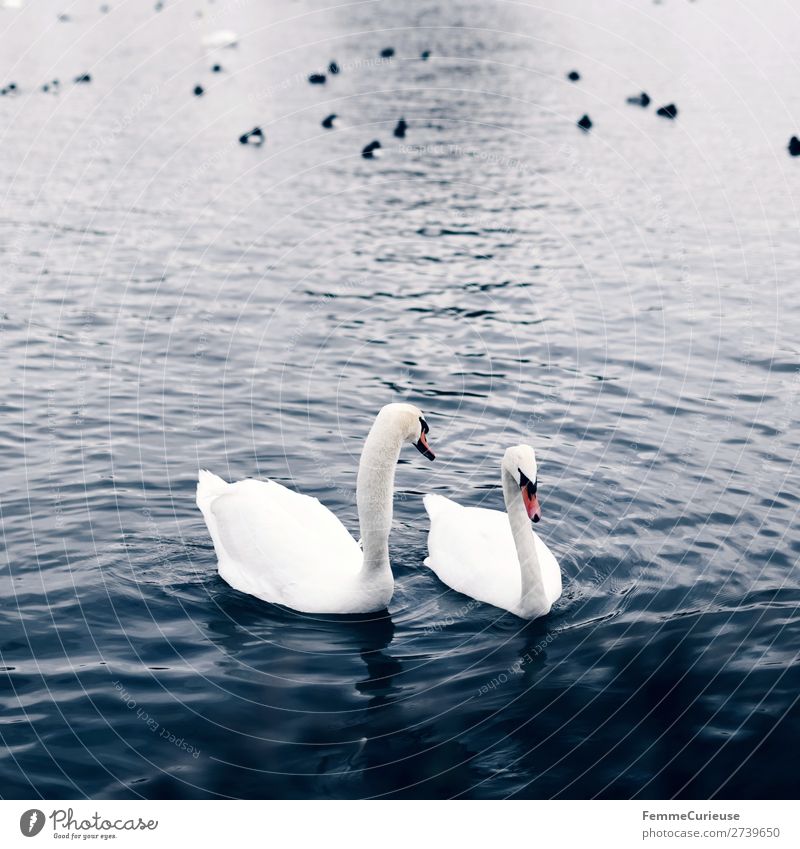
{"x": 623, "y": 299}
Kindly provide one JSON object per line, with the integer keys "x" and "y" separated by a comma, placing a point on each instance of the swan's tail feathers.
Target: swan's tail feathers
{"x": 209, "y": 486}
{"x": 435, "y": 504}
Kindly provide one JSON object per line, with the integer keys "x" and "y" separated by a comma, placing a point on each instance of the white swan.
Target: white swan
{"x": 221, "y": 38}
{"x": 492, "y": 556}
{"x": 287, "y": 548}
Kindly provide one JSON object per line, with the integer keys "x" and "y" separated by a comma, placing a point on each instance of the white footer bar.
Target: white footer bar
{"x": 400, "y": 824}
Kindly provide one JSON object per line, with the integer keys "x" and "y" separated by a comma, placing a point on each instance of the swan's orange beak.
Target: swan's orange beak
{"x": 423, "y": 447}
{"x": 531, "y": 502}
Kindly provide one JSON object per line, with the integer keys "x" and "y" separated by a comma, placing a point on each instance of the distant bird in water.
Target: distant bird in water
{"x": 642, "y": 99}
{"x": 328, "y": 122}
{"x": 316, "y": 79}
{"x": 369, "y": 150}
{"x": 254, "y": 136}
{"x": 574, "y": 76}
{"x": 221, "y": 38}
{"x": 387, "y": 52}
{"x": 794, "y": 146}
{"x": 585, "y": 123}
{"x": 425, "y": 55}
{"x": 52, "y": 84}
{"x": 216, "y": 69}
{"x": 199, "y": 91}
{"x": 334, "y": 68}
{"x": 83, "y": 78}
{"x": 400, "y": 129}
{"x": 11, "y": 88}
{"x": 669, "y": 111}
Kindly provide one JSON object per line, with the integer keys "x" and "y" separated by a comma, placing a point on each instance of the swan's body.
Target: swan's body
{"x": 492, "y": 556}
{"x": 288, "y": 548}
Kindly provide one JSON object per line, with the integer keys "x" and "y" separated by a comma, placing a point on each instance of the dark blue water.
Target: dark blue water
{"x": 625, "y": 300}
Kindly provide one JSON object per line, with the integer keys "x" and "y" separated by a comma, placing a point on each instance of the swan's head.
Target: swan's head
{"x": 410, "y": 422}
{"x": 520, "y": 463}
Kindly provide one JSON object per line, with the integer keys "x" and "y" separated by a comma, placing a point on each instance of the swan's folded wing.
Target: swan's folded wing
{"x": 438, "y": 505}
{"x": 551, "y": 571}
{"x": 273, "y": 538}
{"x": 472, "y": 550}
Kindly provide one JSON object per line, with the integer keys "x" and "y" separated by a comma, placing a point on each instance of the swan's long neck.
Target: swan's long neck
{"x": 375, "y": 493}
{"x": 532, "y": 583}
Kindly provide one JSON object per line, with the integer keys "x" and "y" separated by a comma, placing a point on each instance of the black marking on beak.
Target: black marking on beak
{"x": 524, "y": 483}
{"x": 422, "y": 443}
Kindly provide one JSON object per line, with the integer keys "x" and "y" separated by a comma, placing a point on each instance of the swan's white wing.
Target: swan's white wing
{"x": 280, "y": 545}
{"x": 551, "y": 571}
{"x": 471, "y": 549}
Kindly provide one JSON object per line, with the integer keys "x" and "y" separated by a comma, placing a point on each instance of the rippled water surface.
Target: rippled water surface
{"x": 626, "y": 300}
